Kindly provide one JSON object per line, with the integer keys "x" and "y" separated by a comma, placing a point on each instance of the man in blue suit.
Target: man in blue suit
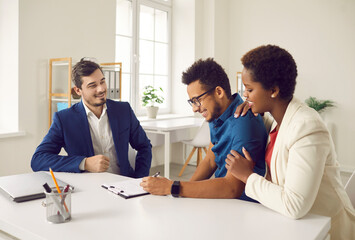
{"x": 95, "y": 132}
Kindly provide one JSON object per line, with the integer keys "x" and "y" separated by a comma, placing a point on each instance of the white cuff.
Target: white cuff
{"x": 249, "y": 185}
{"x": 82, "y": 165}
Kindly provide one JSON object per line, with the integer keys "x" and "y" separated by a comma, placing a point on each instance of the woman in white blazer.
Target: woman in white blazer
{"x": 303, "y": 173}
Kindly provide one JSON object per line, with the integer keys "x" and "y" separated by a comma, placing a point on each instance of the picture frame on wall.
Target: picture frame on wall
{"x": 240, "y": 85}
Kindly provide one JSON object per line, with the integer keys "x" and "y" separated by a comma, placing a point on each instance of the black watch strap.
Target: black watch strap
{"x": 175, "y": 189}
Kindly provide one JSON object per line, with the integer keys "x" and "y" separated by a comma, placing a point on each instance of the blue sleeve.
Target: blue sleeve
{"x": 140, "y": 142}
{"x": 46, "y": 155}
{"x": 252, "y": 135}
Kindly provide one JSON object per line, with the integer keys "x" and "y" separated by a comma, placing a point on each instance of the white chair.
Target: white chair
{"x": 199, "y": 142}
{"x": 350, "y": 188}
{"x": 132, "y": 156}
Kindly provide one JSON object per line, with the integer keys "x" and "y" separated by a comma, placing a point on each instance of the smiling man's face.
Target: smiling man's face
{"x": 93, "y": 89}
{"x": 209, "y": 108}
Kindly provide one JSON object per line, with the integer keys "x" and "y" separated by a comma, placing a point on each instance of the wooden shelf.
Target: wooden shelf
{"x": 65, "y": 100}
{"x": 58, "y": 62}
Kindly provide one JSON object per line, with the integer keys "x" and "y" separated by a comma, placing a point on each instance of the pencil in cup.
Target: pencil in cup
{"x": 58, "y": 189}
{"x": 56, "y": 213}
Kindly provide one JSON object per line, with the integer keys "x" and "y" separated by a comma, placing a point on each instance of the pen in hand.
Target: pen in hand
{"x": 156, "y": 174}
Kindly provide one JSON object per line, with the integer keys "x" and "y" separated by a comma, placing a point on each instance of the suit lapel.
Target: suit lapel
{"x": 114, "y": 122}
{"x": 85, "y": 129}
{"x": 282, "y": 134}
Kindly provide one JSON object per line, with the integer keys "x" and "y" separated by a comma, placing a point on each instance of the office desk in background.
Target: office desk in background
{"x": 167, "y": 127}
{"x": 99, "y": 214}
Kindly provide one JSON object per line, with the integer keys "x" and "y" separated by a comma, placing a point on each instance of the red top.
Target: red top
{"x": 270, "y": 147}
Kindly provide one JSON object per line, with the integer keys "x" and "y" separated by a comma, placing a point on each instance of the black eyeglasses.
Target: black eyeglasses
{"x": 196, "y": 100}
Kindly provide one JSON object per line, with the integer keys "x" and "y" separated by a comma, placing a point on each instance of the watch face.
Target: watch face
{"x": 175, "y": 189}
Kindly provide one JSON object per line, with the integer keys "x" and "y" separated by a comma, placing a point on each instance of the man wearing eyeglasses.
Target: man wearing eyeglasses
{"x": 210, "y": 94}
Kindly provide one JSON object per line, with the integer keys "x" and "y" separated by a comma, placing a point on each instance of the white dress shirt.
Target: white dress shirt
{"x": 102, "y": 140}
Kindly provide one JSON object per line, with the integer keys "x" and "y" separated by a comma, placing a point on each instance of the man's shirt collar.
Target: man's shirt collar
{"x": 229, "y": 111}
{"x": 88, "y": 111}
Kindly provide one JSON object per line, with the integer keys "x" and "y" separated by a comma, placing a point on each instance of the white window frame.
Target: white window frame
{"x": 135, "y": 96}
{"x": 9, "y": 65}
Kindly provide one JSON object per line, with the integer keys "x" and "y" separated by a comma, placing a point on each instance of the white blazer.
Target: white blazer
{"x": 305, "y": 174}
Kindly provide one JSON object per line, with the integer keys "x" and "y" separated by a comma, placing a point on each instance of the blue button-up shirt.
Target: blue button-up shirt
{"x": 229, "y": 133}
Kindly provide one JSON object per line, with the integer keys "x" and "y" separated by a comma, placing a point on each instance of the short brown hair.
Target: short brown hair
{"x": 83, "y": 68}
{"x": 272, "y": 66}
{"x": 210, "y": 74}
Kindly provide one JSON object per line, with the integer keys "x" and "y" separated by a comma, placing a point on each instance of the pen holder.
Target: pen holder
{"x": 58, "y": 205}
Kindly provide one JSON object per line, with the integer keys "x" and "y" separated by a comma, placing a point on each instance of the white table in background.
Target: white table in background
{"x": 99, "y": 214}
{"x": 166, "y": 127}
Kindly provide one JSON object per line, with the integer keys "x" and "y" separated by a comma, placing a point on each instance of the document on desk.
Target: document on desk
{"x": 126, "y": 189}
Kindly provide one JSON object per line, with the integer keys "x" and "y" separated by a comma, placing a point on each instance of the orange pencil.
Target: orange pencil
{"x": 58, "y": 189}
{"x": 55, "y": 180}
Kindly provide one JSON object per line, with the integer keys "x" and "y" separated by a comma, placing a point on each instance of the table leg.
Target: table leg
{"x": 167, "y": 154}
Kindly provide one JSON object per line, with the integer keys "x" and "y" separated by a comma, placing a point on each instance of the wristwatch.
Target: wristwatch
{"x": 175, "y": 189}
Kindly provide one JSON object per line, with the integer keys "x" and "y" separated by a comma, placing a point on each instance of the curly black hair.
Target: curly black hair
{"x": 272, "y": 66}
{"x": 210, "y": 74}
{"x": 83, "y": 68}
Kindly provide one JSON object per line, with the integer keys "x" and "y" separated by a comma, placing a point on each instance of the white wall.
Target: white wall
{"x": 183, "y": 55}
{"x": 52, "y": 29}
{"x": 205, "y": 28}
{"x": 212, "y": 31}
{"x": 320, "y": 35}
{"x": 183, "y": 51}
{"x": 199, "y": 31}
{"x": 221, "y": 34}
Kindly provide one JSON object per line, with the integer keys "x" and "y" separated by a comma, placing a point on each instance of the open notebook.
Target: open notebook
{"x": 28, "y": 186}
{"x": 127, "y": 188}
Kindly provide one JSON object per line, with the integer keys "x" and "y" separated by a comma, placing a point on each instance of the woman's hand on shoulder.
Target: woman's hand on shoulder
{"x": 242, "y": 109}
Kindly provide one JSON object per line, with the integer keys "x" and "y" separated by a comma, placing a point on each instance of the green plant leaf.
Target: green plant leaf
{"x": 150, "y": 96}
{"x": 319, "y": 105}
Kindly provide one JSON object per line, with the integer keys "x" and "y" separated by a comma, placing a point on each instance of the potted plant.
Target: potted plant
{"x": 319, "y": 105}
{"x": 150, "y": 97}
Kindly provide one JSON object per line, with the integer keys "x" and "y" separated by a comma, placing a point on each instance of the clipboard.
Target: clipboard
{"x": 126, "y": 189}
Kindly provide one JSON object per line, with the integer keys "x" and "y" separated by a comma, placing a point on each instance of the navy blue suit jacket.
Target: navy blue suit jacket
{"x": 70, "y": 130}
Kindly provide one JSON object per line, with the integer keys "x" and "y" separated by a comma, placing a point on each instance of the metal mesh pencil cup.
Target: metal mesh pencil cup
{"x": 58, "y": 205}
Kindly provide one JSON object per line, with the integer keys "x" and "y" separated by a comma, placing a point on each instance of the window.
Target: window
{"x": 143, "y": 47}
{"x": 9, "y": 28}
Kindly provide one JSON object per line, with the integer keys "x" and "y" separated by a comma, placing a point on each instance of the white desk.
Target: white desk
{"x": 165, "y": 127}
{"x": 99, "y": 214}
